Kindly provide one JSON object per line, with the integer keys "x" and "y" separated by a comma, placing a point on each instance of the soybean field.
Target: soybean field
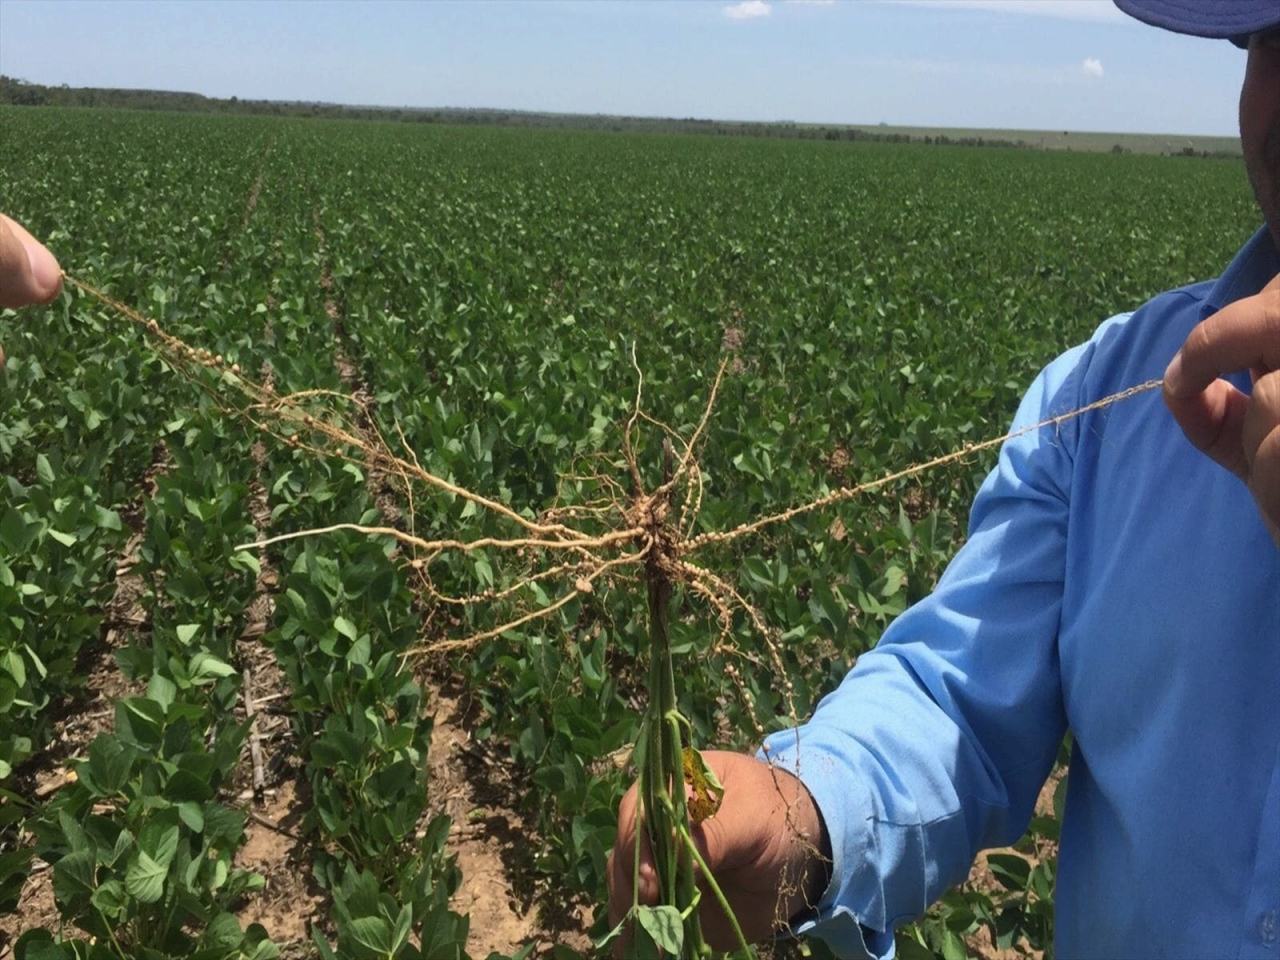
{"x": 464, "y": 348}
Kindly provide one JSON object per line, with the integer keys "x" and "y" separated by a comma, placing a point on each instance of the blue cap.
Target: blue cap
{"x": 1230, "y": 20}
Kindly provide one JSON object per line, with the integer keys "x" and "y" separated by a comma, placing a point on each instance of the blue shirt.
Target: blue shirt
{"x": 1115, "y": 583}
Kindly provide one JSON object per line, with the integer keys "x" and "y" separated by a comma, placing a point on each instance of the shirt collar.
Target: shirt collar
{"x": 1253, "y": 267}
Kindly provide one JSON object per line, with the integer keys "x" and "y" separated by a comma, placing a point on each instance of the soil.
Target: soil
{"x": 263, "y": 682}
{"x": 251, "y": 202}
{"x": 478, "y": 831}
{"x": 918, "y": 503}
{"x": 269, "y": 783}
{"x": 477, "y": 787}
{"x": 291, "y": 902}
{"x": 36, "y": 909}
{"x": 732, "y": 339}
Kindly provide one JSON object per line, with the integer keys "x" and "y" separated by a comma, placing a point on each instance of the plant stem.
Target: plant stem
{"x": 663, "y": 802}
{"x": 709, "y": 879}
{"x": 112, "y": 935}
{"x": 653, "y": 808}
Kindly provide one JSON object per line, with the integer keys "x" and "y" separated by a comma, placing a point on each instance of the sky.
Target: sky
{"x": 1005, "y": 64}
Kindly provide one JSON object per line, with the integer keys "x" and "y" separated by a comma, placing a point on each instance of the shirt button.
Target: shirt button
{"x": 1267, "y": 927}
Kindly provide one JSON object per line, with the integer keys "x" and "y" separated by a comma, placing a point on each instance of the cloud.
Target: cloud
{"x": 813, "y": 3}
{"x": 1094, "y": 11}
{"x": 747, "y": 10}
{"x": 1020, "y": 74}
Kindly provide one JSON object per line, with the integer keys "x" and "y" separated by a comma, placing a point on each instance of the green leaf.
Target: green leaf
{"x": 43, "y": 470}
{"x": 223, "y": 932}
{"x": 73, "y": 876}
{"x": 15, "y": 532}
{"x": 664, "y": 925}
{"x": 124, "y": 843}
{"x": 12, "y": 662}
{"x": 360, "y": 652}
{"x": 162, "y": 690}
{"x": 205, "y": 667}
{"x": 66, "y": 539}
{"x": 107, "y": 519}
{"x": 1011, "y": 870}
{"x": 38, "y": 944}
{"x": 223, "y": 824}
{"x": 159, "y": 840}
{"x": 246, "y": 560}
{"x": 894, "y": 578}
{"x": 359, "y": 892}
{"x": 373, "y": 933}
{"x": 145, "y": 878}
{"x": 185, "y": 785}
{"x": 140, "y": 719}
{"x": 404, "y": 924}
{"x": 345, "y": 627}
{"x": 110, "y": 898}
{"x": 192, "y": 815}
{"x": 73, "y": 833}
{"x": 322, "y": 945}
{"x": 483, "y": 569}
{"x": 110, "y": 763}
{"x": 36, "y": 661}
{"x": 186, "y": 631}
{"x": 613, "y": 934}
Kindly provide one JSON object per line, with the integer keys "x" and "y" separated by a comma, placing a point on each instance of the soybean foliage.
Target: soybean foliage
{"x": 481, "y": 293}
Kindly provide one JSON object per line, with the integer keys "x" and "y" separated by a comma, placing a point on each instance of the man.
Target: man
{"x": 1118, "y": 583}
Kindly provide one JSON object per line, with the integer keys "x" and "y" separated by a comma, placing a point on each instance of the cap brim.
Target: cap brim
{"x": 1232, "y": 20}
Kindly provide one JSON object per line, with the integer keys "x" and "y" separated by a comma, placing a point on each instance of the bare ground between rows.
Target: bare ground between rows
{"x": 475, "y": 786}
{"x": 479, "y": 788}
{"x": 269, "y": 779}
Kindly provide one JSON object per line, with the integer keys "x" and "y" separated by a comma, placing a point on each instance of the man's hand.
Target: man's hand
{"x": 766, "y": 847}
{"x": 1240, "y": 432}
{"x": 28, "y": 272}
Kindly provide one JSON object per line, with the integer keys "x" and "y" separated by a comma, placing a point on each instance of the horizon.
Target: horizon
{"x": 972, "y": 65}
{"x": 779, "y": 121}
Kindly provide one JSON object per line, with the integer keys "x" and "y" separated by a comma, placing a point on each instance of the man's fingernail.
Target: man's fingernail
{"x": 1173, "y": 375}
{"x": 45, "y": 269}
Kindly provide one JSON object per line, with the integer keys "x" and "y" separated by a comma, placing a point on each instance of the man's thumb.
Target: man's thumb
{"x": 28, "y": 272}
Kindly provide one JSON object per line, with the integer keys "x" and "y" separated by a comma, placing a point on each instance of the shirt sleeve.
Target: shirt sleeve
{"x": 936, "y": 744}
